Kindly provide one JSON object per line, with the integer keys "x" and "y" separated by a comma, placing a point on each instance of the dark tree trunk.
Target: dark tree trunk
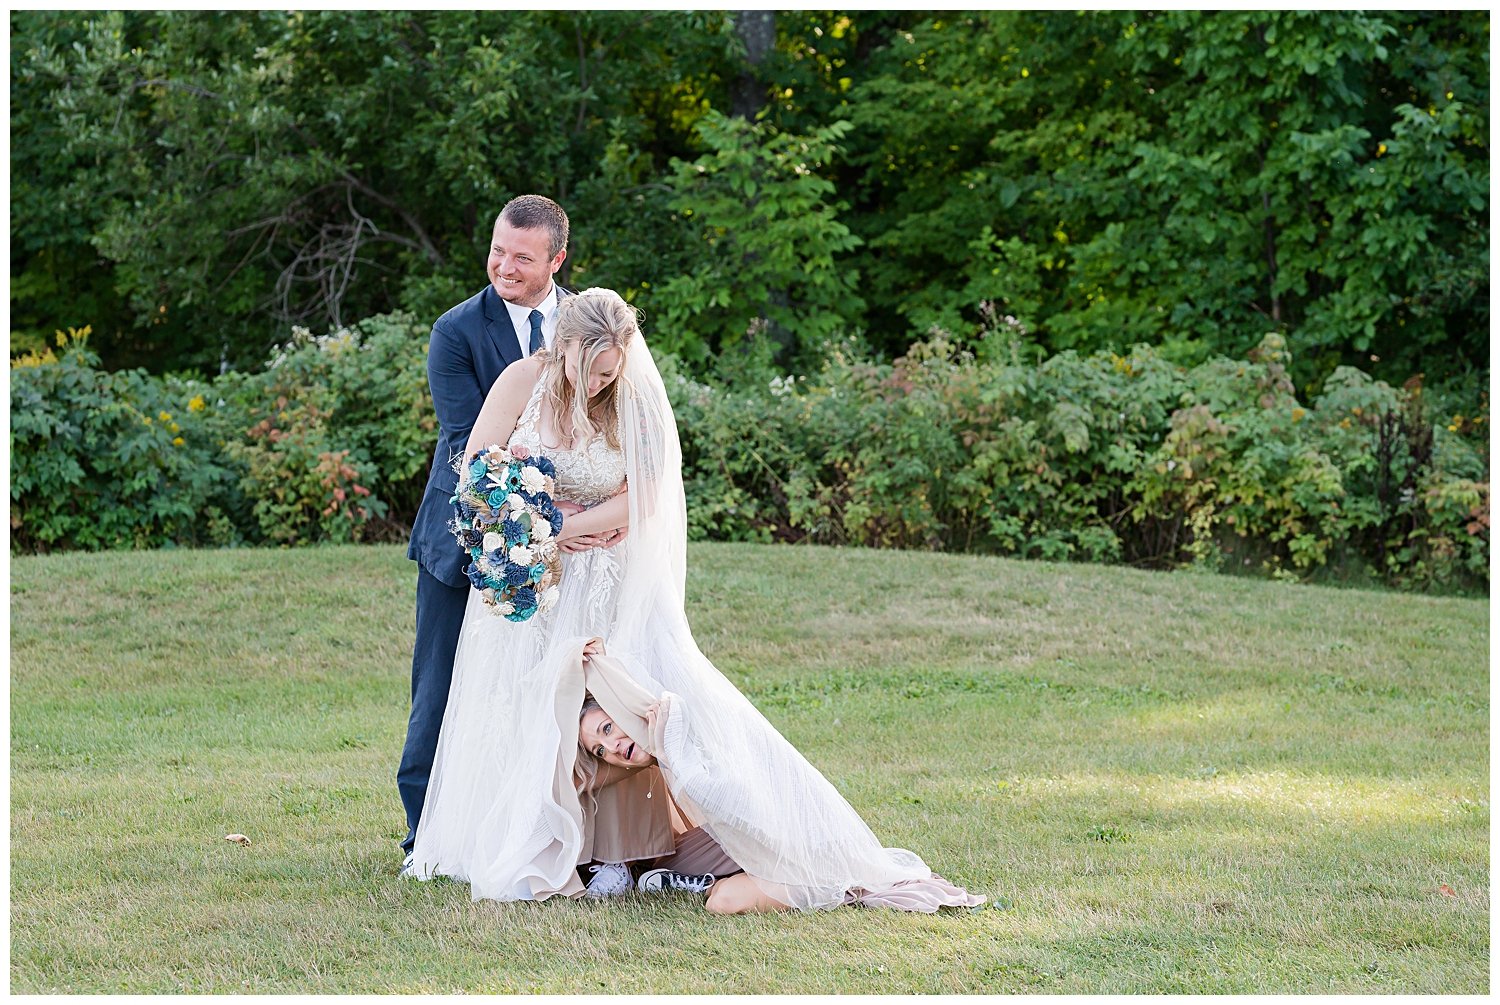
{"x": 757, "y": 30}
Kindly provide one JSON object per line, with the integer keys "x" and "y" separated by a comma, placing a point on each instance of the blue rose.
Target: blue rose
{"x": 475, "y": 576}
{"x": 471, "y": 538}
{"x": 557, "y": 522}
{"x": 524, "y": 597}
{"x": 477, "y": 470}
{"x": 516, "y": 575}
{"x": 542, "y": 499}
{"x": 538, "y": 571}
{"x": 496, "y": 497}
{"x": 521, "y": 614}
{"x": 545, "y": 466}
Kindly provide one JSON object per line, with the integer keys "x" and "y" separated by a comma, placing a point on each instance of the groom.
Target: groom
{"x": 511, "y": 318}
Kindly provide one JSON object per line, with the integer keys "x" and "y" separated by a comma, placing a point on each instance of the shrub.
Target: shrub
{"x": 111, "y": 460}
{"x": 1101, "y": 458}
{"x": 338, "y": 432}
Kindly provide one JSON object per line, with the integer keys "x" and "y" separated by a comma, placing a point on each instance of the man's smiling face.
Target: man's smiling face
{"x": 519, "y": 267}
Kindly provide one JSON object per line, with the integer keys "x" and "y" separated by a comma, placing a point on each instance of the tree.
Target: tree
{"x": 240, "y": 172}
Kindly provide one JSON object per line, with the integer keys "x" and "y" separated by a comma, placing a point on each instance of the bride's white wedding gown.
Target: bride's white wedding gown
{"x": 501, "y": 811}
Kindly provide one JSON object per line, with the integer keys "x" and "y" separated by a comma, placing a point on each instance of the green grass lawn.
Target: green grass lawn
{"x": 1165, "y": 783}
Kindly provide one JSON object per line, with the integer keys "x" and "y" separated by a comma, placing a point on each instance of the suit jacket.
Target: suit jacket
{"x": 469, "y": 347}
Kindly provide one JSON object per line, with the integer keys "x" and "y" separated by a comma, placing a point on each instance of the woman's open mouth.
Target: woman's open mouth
{"x": 630, "y": 753}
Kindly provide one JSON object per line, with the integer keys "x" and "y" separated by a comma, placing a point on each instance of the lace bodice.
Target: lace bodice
{"x": 587, "y": 475}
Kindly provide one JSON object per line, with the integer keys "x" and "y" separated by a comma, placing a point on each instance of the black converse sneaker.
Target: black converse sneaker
{"x": 663, "y": 880}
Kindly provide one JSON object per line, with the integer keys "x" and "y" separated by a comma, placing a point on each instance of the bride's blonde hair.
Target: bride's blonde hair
{"x": 597, "y": 320}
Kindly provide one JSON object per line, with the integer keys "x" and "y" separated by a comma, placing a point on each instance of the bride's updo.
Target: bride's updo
{"x": 596, "y": 321}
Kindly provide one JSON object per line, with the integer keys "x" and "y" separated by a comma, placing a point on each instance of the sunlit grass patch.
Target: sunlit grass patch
{"x": 1164, "y": 783}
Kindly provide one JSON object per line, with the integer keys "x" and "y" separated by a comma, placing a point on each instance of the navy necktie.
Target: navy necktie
{"x": 536, "y": 332}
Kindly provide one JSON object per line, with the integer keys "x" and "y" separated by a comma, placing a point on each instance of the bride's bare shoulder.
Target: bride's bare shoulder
{"x": 517, "y": 380}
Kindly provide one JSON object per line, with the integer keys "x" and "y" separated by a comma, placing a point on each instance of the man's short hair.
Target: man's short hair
{"x": 535, "y": 212}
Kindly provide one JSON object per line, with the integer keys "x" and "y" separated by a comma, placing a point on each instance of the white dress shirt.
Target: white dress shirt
{"x": 520, "y": 319}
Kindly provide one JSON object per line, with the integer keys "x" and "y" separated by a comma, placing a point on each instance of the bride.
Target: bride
{"x": 507, "y": 807}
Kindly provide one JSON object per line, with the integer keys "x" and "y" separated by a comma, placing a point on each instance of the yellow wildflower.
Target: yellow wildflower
{"x": 1297, "y": 414}
{"x": 197, "y": 404}
{"x": 178, "y": 441}
{"x": 164, "y": 416}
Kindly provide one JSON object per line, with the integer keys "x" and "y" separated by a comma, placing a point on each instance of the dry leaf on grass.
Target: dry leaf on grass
{"x": 237, "y": 838}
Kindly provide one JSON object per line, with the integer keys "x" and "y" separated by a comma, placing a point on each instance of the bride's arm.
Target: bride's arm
{"x": 612, "y": 514}
{"x": 503, "y": 406}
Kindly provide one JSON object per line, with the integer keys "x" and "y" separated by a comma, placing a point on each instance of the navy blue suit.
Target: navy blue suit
{"x": 470, "y": 345}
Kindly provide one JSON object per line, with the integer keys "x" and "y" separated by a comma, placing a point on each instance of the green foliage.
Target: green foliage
{"x": 112, "y": 460}
{"x": 331, "y": 436}
{"x": 196, "y": 181}
{"x": 1097, "y": 458}
{"x": 338, "y": 430}
{"x": 238, "y": 172}
{"x": 768, "y": 239}
{"x": 1101, "y": 457}
{"x": 1184, "y": 178}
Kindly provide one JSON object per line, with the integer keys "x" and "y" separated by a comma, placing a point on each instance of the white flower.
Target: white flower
{"x": 532, "y": 480}
{"x": 493, "y": 541}
{"x": 547, "y": 600}
{"x": 516, "y": 503}
{"x": 488, "y": 593}
{"x": 546, "y": 550}
{"x": 521, "y": 555}
{"x": 541, "y": 530}
{"x": 505, "y": 607}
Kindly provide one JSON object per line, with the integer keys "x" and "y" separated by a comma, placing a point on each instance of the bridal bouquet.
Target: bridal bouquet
{"x": 506, "y": 520}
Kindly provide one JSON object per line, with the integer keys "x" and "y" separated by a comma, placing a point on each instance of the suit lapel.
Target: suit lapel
{"x": 498, "y": 328}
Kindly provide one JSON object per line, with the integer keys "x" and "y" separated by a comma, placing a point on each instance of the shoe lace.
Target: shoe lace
{"x": 691, "y": 884}
{"x": 608, "y": 875}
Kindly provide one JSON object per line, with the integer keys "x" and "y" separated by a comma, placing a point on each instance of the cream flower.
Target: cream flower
{"x": 532, "y": 480}
{"x": 504, "y": 608}
{"x": 494, "y": 541}
{"x": 541, "y": 530}
{"x": 547, "y": 600}
{"x": 521, "y": 555}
